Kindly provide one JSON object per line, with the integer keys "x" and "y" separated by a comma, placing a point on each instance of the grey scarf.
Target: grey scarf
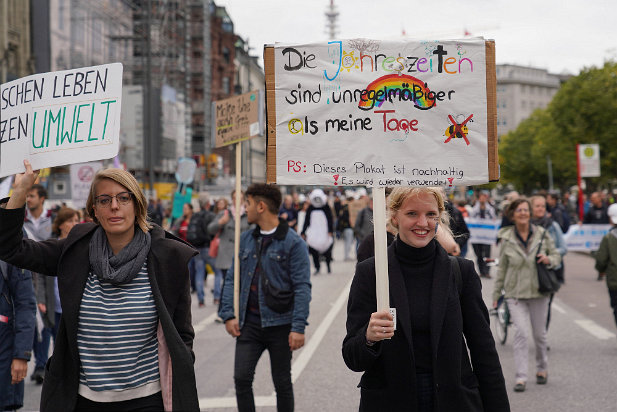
{"x": 123, "y": 267}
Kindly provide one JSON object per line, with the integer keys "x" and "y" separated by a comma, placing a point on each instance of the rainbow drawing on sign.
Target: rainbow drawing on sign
{"x": 398, "y": 87}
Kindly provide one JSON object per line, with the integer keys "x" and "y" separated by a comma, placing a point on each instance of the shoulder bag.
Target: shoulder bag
{"x": 547, "y": 279}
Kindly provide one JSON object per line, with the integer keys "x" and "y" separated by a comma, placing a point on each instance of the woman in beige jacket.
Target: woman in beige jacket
{"x": 518, "y": 278}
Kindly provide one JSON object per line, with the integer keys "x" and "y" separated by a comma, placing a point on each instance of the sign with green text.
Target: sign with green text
{"x": 60, "y": 118}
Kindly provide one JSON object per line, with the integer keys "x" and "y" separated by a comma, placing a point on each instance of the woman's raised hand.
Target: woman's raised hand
{"x": 22, "y": 184}
{"x": 380, "y": 326}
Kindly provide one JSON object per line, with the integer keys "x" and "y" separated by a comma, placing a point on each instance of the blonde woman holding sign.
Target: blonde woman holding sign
{"x": 125, "y": 337}
{"x": 423, "y": 363}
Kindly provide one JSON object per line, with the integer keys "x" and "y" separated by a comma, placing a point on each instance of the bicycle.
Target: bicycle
{"x": 502, "y": 320}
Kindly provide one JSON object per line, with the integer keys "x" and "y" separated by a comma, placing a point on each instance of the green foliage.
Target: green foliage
{"x": 582, "y": 111}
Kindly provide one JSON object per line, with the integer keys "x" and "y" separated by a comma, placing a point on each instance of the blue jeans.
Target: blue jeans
{"x": 348, "y": 241}
{"x": 200, "y": 262}
{"x": 41, "y": 349}
{"x": 249, "y": 347}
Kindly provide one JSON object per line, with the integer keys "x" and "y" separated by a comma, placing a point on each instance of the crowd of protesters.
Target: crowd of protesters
{"x": 298, "y": 226}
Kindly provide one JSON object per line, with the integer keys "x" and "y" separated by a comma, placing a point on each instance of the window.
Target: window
{"x": 226, "y": 88}
{"x": 226, "y": 54}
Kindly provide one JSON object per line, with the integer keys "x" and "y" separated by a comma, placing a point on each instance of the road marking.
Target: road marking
{"x": 594, "y": 329}
{"x": 297, "y": 366}
{"x": 592, "y": 305}
{"x": 558, "y": 308}
{"x": 205, "y": 322}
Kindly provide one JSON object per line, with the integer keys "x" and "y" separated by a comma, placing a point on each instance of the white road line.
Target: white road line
{"x": 297, "y": 366}
{"x": 594, "y": 329}
{"x": 205, "y": 322}
{"x": 558, "y": 308}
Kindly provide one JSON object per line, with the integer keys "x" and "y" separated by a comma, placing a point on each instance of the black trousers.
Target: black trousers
{"x": 148, "y": 403}
{"x": 613, "y": 295}
{"x": 249, "y": 346}
{"x": 482, "y": 251}
{"x": 327, "y": 254}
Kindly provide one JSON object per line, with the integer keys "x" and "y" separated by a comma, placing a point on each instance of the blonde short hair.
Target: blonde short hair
{"x": 400, "y": 194}
{"x": 123, "y": 178}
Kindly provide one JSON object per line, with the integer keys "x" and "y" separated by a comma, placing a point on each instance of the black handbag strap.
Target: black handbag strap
{"x": 541, "y": 240}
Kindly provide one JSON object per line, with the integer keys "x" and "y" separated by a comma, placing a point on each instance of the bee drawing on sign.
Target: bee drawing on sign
{"x": 458, "y": 130}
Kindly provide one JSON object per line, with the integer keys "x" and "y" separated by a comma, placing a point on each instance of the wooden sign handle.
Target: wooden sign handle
{"x": 382, "y": 286}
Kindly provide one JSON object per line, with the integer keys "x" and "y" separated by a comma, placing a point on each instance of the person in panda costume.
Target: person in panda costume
{"x": 318, "y": 228}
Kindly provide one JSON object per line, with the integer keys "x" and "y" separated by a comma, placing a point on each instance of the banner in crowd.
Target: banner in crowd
{"x": 82, "y": 175}
{"x": 483, "y": 231}
{"x": 60, "y": 118}
{"x": 381, "y": 113}
{"x": 585, "y": 238}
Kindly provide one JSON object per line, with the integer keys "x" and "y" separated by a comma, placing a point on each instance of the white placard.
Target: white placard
{"x": 482, "y": 231}
{"x": 589, "y": 158}
{"x": 60, "y": 118}
{"x": 82, "y": 175}
{"x": 381, "y": 113}
{"x": 586, "y": 237}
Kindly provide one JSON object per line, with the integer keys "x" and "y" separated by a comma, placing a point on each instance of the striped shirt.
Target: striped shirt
{"x": 117, "y": 340}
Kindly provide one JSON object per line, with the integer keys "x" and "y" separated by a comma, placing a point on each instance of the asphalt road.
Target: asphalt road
{"x": 582, "y": 358}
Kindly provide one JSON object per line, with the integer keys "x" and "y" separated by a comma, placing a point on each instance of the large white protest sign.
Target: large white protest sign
{"x": 585, "y": 238}
{"x": 60, "y": 118}
{"x": 382, "y": 113}
{"x": 482, "y": 231}
{"x": 82, "y": 175}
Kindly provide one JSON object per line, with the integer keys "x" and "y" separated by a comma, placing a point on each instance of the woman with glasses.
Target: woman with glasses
{"x": 422, "y": 363}
{"x": 125, "y": 336}
{"x": 518, "y": 277}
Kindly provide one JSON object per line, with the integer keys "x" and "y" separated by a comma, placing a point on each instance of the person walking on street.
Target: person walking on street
{"x": 318, "y": 230}
{"x": 597, "y": 215}
{"x": 17, "y": 323}
{"x": 484, "y": 211}
{"x": 198, "y": 235}
{"x": 37, "y": 224}
{"x": 540, "y": 217}
{"x": 275, "y": 291}
{"x": 344, "y": 227}
{"x": 558, "y": 211}
{"x": 606, "y": 259}
{"x": 442, "y": 355}
{"x": 289, "y": 212}
{"x": 363, "y": 226}
{"x": 517, "y": 277}
{"x": 120, "y": 276}
{"x": 224, "y": 226}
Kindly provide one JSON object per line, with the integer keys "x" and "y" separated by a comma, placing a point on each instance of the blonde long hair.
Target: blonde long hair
{"x": 123, "y": 178}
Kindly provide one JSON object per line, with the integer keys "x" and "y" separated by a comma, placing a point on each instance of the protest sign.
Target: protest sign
{"x": 60, "y": 118}
{"x": 585, "y": 238}
{"x": 82, "y": 175}
{"x": 482, "y": 231}
{"x": 382, "y": 113}
{"x": 237, "y": 118}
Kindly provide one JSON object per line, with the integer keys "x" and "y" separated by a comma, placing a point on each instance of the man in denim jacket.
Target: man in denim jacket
{"x": 278, "y": 253}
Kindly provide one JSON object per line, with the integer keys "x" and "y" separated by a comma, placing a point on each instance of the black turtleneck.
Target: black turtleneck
{"x": 417, "y": 269}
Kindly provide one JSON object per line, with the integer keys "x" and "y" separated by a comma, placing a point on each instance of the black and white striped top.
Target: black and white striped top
{"x": 117, "y": 340}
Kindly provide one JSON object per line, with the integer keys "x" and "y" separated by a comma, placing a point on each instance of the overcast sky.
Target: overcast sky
{"x": 558, "y": 35}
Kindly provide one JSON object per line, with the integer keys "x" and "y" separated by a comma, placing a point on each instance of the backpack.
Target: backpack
{"x": 197, "y": 231}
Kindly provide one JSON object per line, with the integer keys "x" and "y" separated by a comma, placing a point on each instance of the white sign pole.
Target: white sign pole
{"x": 237, "y": 230}
{"x": 381, "y": 253}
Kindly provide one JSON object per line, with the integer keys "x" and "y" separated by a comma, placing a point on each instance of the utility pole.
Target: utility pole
{"x": 148, "y": 143}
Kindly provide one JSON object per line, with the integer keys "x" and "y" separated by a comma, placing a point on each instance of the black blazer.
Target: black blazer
{"x": 68, "y": 259}
{"x": 389, "y": 382}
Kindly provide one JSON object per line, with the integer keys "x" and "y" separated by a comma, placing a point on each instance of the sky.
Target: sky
{"x": 562, "y": 36}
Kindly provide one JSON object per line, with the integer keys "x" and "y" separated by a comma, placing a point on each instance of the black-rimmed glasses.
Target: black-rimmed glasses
{"x": 122, "y": 198}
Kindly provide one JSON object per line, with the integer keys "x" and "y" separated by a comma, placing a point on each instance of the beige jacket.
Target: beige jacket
{"x": 517, "y": 273}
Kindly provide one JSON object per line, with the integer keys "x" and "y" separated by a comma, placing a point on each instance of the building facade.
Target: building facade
{"x": 15, "y": 51}
{"x": 521, "y": 90}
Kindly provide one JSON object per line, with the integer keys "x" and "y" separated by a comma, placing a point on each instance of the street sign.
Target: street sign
{"x": 589, "y": 157}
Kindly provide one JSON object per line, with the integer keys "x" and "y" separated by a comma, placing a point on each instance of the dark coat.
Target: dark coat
{"x": 68, "y": 259}
{"x": 389, "y": 382}
{"x": 17, "y": 320}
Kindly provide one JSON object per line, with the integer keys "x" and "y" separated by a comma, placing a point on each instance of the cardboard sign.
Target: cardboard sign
{"x": 382, "y": 113}
{"x": 60, "y": 118}
{"x": 82, "y": 175}
{"x": 237, "y": 118}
